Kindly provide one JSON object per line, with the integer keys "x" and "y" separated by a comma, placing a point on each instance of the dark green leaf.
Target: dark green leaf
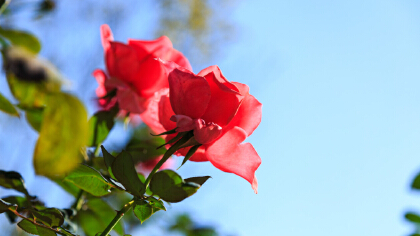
{"x": 416, "y": 182}
{"x": 31, "y": 228}
{"x": 21, "y": 202}
{"x": 5, "y": 206}
{"x": 96, "y": 217}
{"x": 63, "y": 134}
{"x": 123, "y": 169}
{"x": 169, "y": 186}
{"x": 21, "y": 39}
{"x": 198, "y": 180}
{"x": 100, "y": 124}
{"x": 90, "y": 180}
{"x": 7, "y": 106}
{"x": 413, "y": 217}
{"x": 172, "y": 131}
{"x": 190, "y": 152}
{"x": 108, "y": 159}
{"x": 143, "y": 210}
{"x": 204, "y": 231}
{"x": 50, "y": 216}
{"x": 13, "y": 180}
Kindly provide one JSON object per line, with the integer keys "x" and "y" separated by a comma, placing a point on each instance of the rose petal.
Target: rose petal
{"x": 249, "y": 113}
{"x": 166, "y": 112}
{"x": 189, "y": 94}
{"x": 100, "y": 77}
{"x": 106, "y": 36}
{"x": 206, "y": 133}
{"x": 151, "y": 115}
{"x": 151, "y": 46}
{"x": 184, "y": 123}
{"x": 122, "y": 62}
{"x": 255, "y": 184}
{"x": 150, "y": 77}
{"x": 224, "y": 101}
{"x": 229, "y": 154}
{"x": 129, "y": 100}
{"x": 219, "y": 76}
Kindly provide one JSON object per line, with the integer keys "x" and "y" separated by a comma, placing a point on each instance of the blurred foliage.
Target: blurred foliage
{"x": 186, "y": 226}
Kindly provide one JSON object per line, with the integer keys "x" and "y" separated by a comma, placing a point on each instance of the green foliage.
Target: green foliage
{"x": 36, "y": 229}
{"x": 34, "y": 117}
{"x": 142, "y": 210}
{"x": 21, "y": 202}
{"x": 5, "y": 206}
{"x": 7, "y": 107}
{"x": 13, "y": 180}
{"x": 413, "y": 217}
{"x": 62, "y": 135}
{"x": 96, "y": 217}
{"x": 108, "y": 159}
{"x": 100, "y": 124}
{"x": 190, "y": 152}
{"x": 21, "y": 39}
{"x": 169, "y": 186}
{"x": 51, "y": 217}
{"x": 124, "y": 171}
{"x": 416, "y": 182}
{"x": 185, "y": 225}
{"x": 89, "y": 180}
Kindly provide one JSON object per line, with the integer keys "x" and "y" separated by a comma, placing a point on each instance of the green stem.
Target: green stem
{"x": 166, "y": 156}
{"x": 117, "y": 218}
{"x": 79, "y": 201}
{"x": 97, "y": 150}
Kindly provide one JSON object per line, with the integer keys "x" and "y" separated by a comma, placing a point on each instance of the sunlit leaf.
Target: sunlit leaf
{"x": 63, "y": 134}
{"x": 123, "y": 169}
{"x": 13, "y": 180}
{"x": 7, "y": 106}
{"x": 31, "y": 228}
{"x": 142, "y": 210}
{"x": 157, "y": 204}
{"x": 100, "y": 124}
{"x": 22, "y": 39}
{"x": 90, "y": 180}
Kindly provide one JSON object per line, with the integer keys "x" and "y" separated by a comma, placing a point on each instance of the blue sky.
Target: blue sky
{"x": 340, "y": 135}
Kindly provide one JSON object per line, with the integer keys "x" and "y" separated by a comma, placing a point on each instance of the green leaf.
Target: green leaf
{"x": 90, "y": 180}
{"x": 100, "y": 124}
{"x": 5, "y": 206}
{"x": 22, "y": 39}
{"x": 96, "y": 217}
{"x": 123, "y": 169}
{"x": 63, "y": 134}
{"x": 416, "y": 182}
{"x": 31, "y": 228}
{"x": 413, "y": 217}
{"x": 50, "y": 216}
{"x": 169, "y": 186}
{"x": 190, "y": 152}
{"x": 143, "y": 210}
{"x": 7, "y": 107}
{"x": 198, "y": 180}
{"x": 203, "y": 231}
{"x": 108, "y": 159}
{"x": 34, "y": 117}
{"x": 13, "y": 180}
{"x": 156, "y": 204}
{"x": 21, "y": 202}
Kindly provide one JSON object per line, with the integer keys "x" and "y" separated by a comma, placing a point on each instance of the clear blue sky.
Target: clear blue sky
{"x": 340, "y": 136}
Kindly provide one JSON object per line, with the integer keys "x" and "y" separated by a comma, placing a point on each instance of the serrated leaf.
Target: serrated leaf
{"x": 31, "y": 228}
{"x": 169, "y": 186}
{"x": 100, "y": 124}
{"x": 7, "y": 107}
{"x": 96, "y": 217}
{"x": 90, "y": 180}
{"x": 124, "y": 171}
{"x": 200, "y": 180}
{"x": 21, "y": 39}
{"x": 13, "y": 180}
{"x": 63, "y": 134}
{"x": 50, "y": 216}
{"x": 142, "y": 210}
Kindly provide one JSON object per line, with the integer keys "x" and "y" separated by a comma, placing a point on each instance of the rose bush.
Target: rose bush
{"x": 133, "y": 71}
{"x": 220, "y": 113}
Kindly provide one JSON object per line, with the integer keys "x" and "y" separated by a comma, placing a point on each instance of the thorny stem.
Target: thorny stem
{"x": 117, "y": 218}
{"x": 37, "y": 224}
